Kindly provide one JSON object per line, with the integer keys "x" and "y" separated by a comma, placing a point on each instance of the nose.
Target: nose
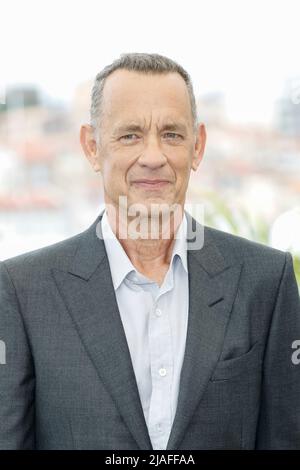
{"x": 152, "y": 155}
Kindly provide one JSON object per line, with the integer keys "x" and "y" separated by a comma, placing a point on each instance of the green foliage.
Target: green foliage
{"x": 296, "y": 260}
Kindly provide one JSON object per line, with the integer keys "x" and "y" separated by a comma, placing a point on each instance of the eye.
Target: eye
{"x": 129, "y": 137}
{"x": 172, "y": 135}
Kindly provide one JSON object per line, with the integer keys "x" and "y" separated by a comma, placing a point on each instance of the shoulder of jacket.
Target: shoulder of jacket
{"x": 242, "y": 249}
{"x": 56, "y": 254}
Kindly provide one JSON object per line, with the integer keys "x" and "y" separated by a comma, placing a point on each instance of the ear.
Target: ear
{"x": 199, "y": 146}
{"x": 89, "y": 146}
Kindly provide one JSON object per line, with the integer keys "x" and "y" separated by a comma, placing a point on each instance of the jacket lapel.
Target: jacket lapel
{"x": 212, "y": 288}
{"x": 89, "y": 296}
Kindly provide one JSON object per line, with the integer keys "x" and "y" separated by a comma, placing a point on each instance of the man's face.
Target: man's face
{"x": 146, "y": 135}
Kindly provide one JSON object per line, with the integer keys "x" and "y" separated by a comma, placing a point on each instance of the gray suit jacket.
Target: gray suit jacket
{"x": 68, "y": 381}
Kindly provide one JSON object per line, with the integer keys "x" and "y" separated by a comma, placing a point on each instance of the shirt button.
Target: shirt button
{"x": 158, "y": 312}
{"x": 158, "y": 427}
{"x": 162, "y": 372}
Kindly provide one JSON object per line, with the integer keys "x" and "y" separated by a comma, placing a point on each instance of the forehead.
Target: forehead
{"x": 131, "y": 93}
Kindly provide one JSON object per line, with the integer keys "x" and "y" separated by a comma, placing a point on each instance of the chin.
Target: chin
{"x": 150, "y": 204}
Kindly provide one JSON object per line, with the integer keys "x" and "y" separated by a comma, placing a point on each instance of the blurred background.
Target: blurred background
{"x": 243, "y": 58}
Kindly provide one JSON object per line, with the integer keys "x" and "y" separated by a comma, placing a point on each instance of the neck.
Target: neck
{"x": 148, "y": 242}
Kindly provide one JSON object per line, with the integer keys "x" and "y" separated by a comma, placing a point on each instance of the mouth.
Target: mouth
{"x": 151, "y": 184}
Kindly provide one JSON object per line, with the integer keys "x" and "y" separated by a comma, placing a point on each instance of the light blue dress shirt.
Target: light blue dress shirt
{"x": 155, "y": 324}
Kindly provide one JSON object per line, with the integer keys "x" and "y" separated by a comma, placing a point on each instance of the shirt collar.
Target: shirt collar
{"x": 120, "y": 264}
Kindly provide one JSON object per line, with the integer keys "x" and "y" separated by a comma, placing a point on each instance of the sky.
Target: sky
{"x": 244, "y": 49}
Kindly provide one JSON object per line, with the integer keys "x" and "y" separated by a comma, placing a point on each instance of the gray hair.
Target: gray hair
{"x": 138, "y": 62}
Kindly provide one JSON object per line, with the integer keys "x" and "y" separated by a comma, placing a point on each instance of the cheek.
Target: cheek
{"x": 110, "y": 164}
{"x": 114, "y": 171}
{"x": 182, "y": 164}
{"x": 120, "y": 161}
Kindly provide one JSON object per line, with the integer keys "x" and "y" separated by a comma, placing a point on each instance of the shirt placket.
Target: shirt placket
{"x": 160, "y": 347}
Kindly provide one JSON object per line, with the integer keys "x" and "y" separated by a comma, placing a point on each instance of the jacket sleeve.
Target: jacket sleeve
{"x": 279, "y": 419}
{"x": 16, "y": 372}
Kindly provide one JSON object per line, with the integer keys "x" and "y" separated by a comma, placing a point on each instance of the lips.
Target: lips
{"x": 151, "y": 183}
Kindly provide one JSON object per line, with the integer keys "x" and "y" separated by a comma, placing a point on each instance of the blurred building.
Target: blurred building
{"x": 288, "y": 109}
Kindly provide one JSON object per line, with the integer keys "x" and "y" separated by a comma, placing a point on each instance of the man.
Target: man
{"x": 138, "y": 341}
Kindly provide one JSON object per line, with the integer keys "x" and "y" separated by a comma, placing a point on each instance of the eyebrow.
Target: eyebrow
{"x": 174, "y": 126}
{"x": 127, "y": 128}
{"x": 132, "y": 127}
